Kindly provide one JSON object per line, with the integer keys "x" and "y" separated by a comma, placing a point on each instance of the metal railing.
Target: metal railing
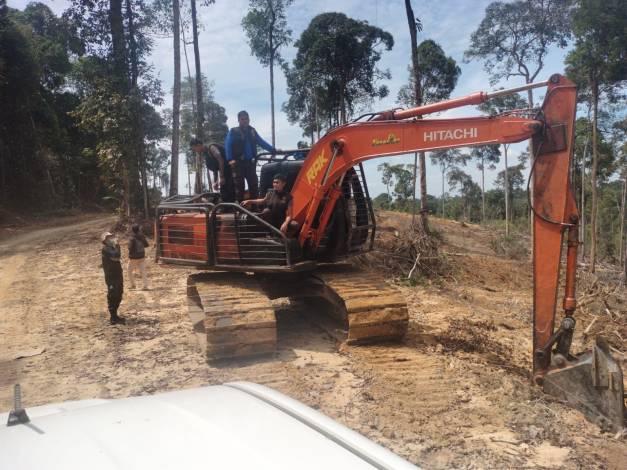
{"x": 243, "y": 239}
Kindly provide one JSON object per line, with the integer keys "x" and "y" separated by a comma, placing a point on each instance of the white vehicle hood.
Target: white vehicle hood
{"x": 232, "y": 426}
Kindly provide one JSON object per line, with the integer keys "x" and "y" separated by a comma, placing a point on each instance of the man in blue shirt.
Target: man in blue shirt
{"x": 241, "y": 154}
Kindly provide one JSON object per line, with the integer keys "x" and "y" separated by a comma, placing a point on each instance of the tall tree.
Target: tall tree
{"x": 447, "y": 159}
{"x": 176, "y": 98}
{"x": 485, "y": 156}
{"x": 199, "y": 94}
{"x": 599, "y": 62}
{"x": 496, "y": 106}
{"x": 265, "y": 25}
{"x": 513, "y": 40}
{"x": 468, "y": 190}
{"x": 415, "y": 26}
{"x": 340, "y": 55}
{"x": 435, "y": 80}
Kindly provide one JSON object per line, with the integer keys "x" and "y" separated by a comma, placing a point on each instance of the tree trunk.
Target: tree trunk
{"x": 136, "y": 100}
{"x": 582, "y": 220}
{"x": 272, "y": 100}
{"x": 622, "y": 220}
{"x": 176, "y": 99}
{"x": 506, "y": 193}
{"x": 413, "y": 205}
{"x": 482, "y": 190}
{"x": 593, "y": 176}
{"x": 199, "y": 104}
{"x": 443, "y": 175}
{"x": 411, "y": 23}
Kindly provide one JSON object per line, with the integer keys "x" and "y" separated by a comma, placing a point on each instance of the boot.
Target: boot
{"x": 117, "y": 320}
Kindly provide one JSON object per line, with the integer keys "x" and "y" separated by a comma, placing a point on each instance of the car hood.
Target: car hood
{"x": 236, "y": 425}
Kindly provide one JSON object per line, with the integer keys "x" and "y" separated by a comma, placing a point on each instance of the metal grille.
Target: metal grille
{"x": 242, "y": 238}
{"x": 361, "y": 215}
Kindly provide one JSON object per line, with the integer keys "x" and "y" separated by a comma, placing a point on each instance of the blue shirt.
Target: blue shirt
{"x": 249, "y": 146}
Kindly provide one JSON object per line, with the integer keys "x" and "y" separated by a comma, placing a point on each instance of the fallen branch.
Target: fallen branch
{"x": 587, "y": 330}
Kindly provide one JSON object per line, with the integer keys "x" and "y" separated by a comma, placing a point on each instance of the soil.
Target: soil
{"x": 455, "y": 393}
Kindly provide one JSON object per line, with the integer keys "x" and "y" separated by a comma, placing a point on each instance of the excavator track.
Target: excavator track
{"x": 234, "y": 314}
{"x": 371, "y": 309}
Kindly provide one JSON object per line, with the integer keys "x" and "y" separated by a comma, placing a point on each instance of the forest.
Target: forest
{"x": 84, "y": 121}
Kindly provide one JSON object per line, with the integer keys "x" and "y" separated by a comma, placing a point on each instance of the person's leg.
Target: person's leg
{"x": 251, "y": 179}
{"x": 116, "y": 289}
{"x": 142, "y": 269}
{"x": 130, "y": 273}
{"x": 238, "y": 181}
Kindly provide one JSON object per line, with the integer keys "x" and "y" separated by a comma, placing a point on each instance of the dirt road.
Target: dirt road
{"x": 454, "y": 393}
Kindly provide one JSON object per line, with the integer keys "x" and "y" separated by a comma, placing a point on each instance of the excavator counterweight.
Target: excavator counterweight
{"x": 257, "y": 262}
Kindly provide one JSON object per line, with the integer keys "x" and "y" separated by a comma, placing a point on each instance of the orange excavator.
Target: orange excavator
{"x": 251, "y": 262}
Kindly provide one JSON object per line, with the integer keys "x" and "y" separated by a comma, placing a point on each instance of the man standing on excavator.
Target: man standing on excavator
{"x": 241, "y": 153}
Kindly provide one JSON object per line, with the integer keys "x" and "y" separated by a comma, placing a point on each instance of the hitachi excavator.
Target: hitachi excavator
{"x": 251, "y": 262}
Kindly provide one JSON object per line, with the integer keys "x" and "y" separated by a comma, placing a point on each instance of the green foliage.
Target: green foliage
{"x": 399, "y": 177}
{"x": 600, "y": 53}
{"x": 513, "y": 39}
{"x": 438, "y": 75}
{"x": 266, "y": 29}
{"x": 335, "y": 70}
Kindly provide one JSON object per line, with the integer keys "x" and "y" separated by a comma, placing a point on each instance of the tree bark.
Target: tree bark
{"x": 199, "y": 103}
{"x": 271, "y": 42}
{"x": 506, "y": 192}
{"x": 582, "y": 220}
{"x": 121, "y": 81}
{"x": 594, "y": 87}
{"x": 482, "y": 190}
{"x": 138, "y": 130}
{"x": 176, "y": 100}
{"x": 413, "y": 205}
{"x": 411, "y": 22}
{"x": 622, "y": 220}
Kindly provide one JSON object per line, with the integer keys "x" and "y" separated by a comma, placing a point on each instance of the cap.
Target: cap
{"x": 105, "y": 236}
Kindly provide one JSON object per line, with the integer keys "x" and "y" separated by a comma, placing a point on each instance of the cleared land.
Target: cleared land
{"x": 454, "y": 393}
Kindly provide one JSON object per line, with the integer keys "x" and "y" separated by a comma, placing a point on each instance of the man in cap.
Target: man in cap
{"x": 113, "y": 275}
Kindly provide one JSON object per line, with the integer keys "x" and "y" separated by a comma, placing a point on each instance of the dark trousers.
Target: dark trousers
{"x": 227, "y": 190}
{"x": 115, "y": 288}
{"x": 245, "y": 170}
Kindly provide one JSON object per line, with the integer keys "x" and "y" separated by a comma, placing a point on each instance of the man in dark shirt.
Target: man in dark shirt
{"x": 241, "y": 154}
{"x": 113, "y": 275}
{"x": 215, "y": 159}
{"x": 137, "y": 245}
{"x": 277, "y": 207}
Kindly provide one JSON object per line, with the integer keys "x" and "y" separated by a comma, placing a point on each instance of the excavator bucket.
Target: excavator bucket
{"x": 592, "y": 383}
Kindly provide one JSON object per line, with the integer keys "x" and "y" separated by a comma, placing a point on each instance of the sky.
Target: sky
{"x": 240, "y": 82}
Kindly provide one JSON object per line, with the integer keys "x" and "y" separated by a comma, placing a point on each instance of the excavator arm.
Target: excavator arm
{"x": 592, "y": 382}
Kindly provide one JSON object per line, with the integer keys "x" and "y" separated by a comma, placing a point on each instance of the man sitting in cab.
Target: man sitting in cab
{"x": 277, "y": 207}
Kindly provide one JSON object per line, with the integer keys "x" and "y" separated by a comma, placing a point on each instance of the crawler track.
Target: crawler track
{"x": 235, "y": 313}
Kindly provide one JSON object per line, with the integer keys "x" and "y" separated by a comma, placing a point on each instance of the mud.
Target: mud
{"x": 455, "y": 393}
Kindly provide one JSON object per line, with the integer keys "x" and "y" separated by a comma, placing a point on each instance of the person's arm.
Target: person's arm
{"x": 288, "y": 217}
{"x": 263, "y": 144}
{"x": 228, "y": 148}
{"x": 253, "y": 202}
{"x": 145, "y": 241}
